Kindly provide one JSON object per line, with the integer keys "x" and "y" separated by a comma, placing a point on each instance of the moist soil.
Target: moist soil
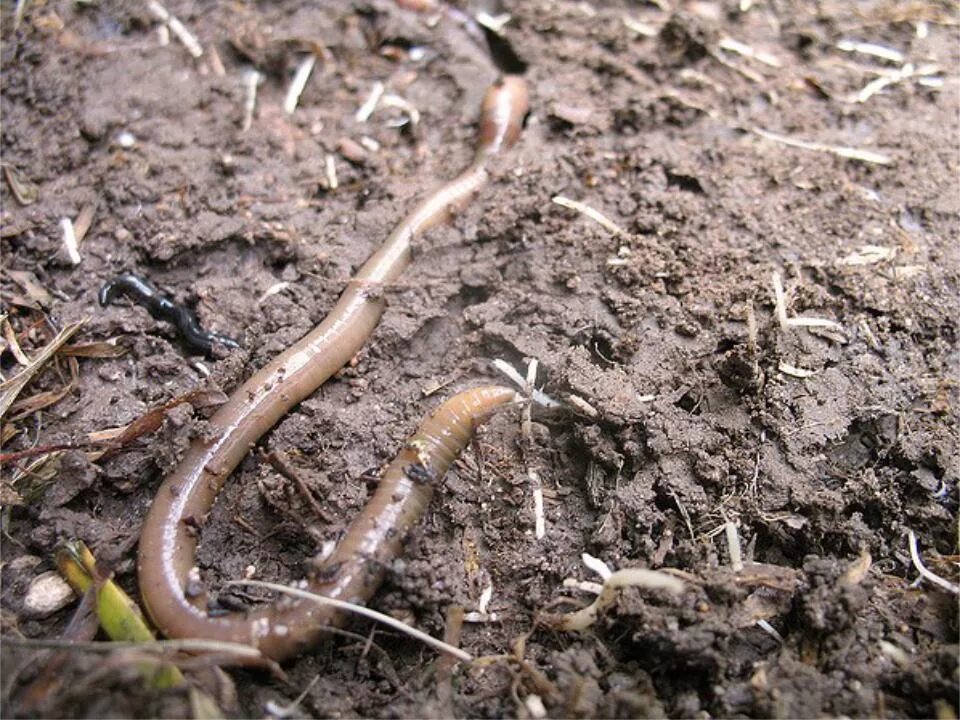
{"x": 698, "y": 407}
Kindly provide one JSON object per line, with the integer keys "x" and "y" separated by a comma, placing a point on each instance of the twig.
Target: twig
{"x": 684, "y": 513}
{"x": 360, "y": 610}
{"x": 46, "y": 450}
{"x": 844, "y": 152}
{"x": 452, "y": 631}
{"x": 591, "y": 213}
{"x": 13, "y": 344}
{"x": 924, "y": 572}
{"x": 216, "y": 64}
{"x": 298, "y": 83}
{"x": 10, "y": 389}
{"x": 83, "y": 222}
{"x": 280, "y": 464}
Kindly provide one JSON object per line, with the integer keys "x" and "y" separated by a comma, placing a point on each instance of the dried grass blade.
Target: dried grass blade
{"x": 10, "y": 389}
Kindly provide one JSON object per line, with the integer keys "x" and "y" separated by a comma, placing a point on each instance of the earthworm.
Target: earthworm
{"x": 356, "y": 567}
{"x": 143, "y": 292}
{"x": 169, "y": 582}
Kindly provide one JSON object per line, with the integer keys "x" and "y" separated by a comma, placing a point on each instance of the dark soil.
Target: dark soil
{"x": 668, "y": 330}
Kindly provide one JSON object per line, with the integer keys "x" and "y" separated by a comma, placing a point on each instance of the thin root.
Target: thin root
{"x": 839, "y": 150}
{"x": 360, "y": 610}
{"x": 780, "y": 299}
{"x": 631, "y": 577}
{"x": 299, "y": 82}
{"x": 591, "y": 213}
{"x": 924, "y": 572}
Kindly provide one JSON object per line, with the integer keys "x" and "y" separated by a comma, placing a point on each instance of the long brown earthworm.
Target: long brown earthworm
{"x": 169, "y": 584}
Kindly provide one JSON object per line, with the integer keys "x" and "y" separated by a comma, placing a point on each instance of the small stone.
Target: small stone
{"x": 352, "y": 151}
{"x": 24, "y": 562}
{"x": 47, "y": 593}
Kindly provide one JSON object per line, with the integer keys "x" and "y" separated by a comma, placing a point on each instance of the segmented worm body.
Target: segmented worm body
{"x": 143, "y": 292}
{"x": 174, "y": 599}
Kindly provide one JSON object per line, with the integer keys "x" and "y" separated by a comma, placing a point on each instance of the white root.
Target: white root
{"x": 360, "y": 610}
{"x": 187, "y": 38}
{"x": 839, "y": 150}
{"x": 70, "y": 244}
{"x": 907, "y": 72}
{"x": 735, "y": 46}
{"x": 591, "y": 213}
{"x": 403, "y": 104}
{"x": 583, "y": 406}
{"x": 770, "y": 630}
{"x": 331, "y": 172}
{"x": 370, "y": 104}
{"x": 780, "y": 300}
{"x": 526, "y": 430}
{"x": 251, "y": 80}
{"x": 597, "y": 565}
{"x": 733, "y": 546}
{"x": 872, "y": 49}
{"x": 538, "y": 396}
{"x": 924, "y": 572}
{"x": 794, "y": 371}
{"x": 868, "y": 255}
{"x": 631, "y": 577}
{"x": 299, "y": 82}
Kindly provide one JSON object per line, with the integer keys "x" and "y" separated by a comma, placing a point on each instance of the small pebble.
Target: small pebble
{"x": 24, "y": 562}
{"x": 352, "y": 151}
{"x": 48, "y": 592}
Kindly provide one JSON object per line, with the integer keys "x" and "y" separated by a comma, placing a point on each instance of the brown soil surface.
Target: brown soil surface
{"x": 821, "y": 445}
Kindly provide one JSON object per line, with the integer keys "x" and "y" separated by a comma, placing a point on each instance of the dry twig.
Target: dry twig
{"x": 10, "y": 389}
